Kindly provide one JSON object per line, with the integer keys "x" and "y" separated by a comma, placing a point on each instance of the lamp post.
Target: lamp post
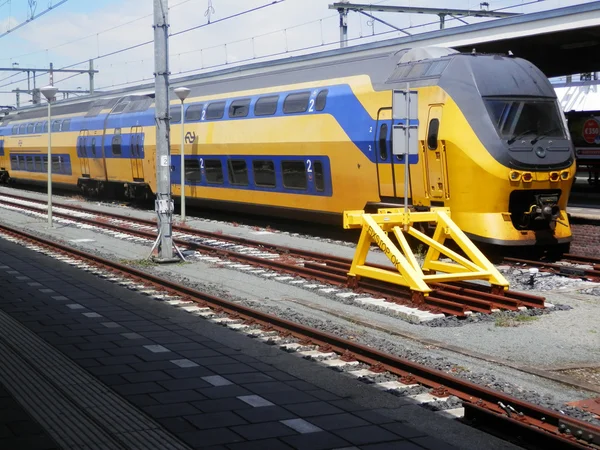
{"x": 49, "y": 92}
{"x": 182, "y": 93}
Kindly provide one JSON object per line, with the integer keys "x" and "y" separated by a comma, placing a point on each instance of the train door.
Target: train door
{"x": 137, "y": 153}
{"x": 82, "y": 143}
{"x": 435, "y": 157}
{"x": 383, "y": 154}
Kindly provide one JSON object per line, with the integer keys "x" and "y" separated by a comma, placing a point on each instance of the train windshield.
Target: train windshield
{"x": 517, "y": 118}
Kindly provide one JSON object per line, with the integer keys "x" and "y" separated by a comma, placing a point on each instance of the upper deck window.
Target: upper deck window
{"x": 296, "y": 103}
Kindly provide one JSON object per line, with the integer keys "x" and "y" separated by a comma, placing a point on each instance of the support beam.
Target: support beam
{"x": 442, "y": 13}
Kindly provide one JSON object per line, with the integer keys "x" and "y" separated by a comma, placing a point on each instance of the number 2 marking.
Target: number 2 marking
{"x": 311, "y": 107}
{"x": 309, "y": 164}
{"x": 370, "y": 129}
{"x": 203, "y": 114}
{"x": 202, "y": 163}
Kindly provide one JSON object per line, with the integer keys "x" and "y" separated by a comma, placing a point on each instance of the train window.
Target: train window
{"x": 239, "y": 108}
{"x": 38, "y": 164}
{"x": 23, "y": 128}
{"x": 215, "y": 110}
{"x": 294, "y": 174}
{"x": 66, "y": 125}
{"x": 418, "y": 70}
{"x": 383, "y": 151}
{"x": 238, "y": 172}
{"x": 321, "y": 100}
{"x": 45, "y": 127}
{"x": 56, "y": 126}
{"x": 266, "y": 106}
{"x": 30, "y": 128}
{"x": 296, "y": 103}
{"x": 214, "y": 171}
{"x": 14, "y": 162}
{"x": 39, "y": 126}
{"x": 29, "y": 163}
{"x": 56, "y": 166}
{"x": 319, "y": 180}
{"x": 193, "y": 113}
{"x": 432, "y": 134}
{"x": 44, "y": 164}
{"x": 119, "y": 108}
{"x": 175, "y": 113}
{"x": 116, "y": 144}
{"x": 264, "y": 173}
{"x": 94, "y": 146}
{"x": 192, "y": 171}
{"x": 15, "y": 129}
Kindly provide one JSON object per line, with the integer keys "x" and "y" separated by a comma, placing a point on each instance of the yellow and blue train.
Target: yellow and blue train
{"x": 311, "y": 136}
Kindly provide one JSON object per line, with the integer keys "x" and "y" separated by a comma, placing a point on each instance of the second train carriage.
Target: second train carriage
{"x": 312, "y": 138}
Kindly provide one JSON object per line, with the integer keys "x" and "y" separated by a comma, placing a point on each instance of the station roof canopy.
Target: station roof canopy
{"x": 560, "y": 41}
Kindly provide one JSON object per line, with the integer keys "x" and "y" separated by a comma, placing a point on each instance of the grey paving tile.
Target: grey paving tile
{"x": 313, "y": 409}
{"x": 138, "y": 388}
{"x": 220, "y": 404}
{"x": 132, "y": 336}
{"x": 217, "y": 380}
{"x": 265, "y": 414}
{"x": 215, "y": 420}
{"x": 338, "y": 421}
{"x": 171, "y": 410}
{"x": 92, "y": 315}
{"x": 187, "y": 383}
{"x": 204, "y": 438}
{"x": 155, "y": 375}
{"x": 177, "y": 425}
{"x": 263, "y": 444}
{"x": 75, "y": 306}
{"x": 190, "y": 372}
{"x": 255, "y": 401}
{"x": 111, "y": 325}
{"x": 224, "y": 391}
{"x": 315, "y": 441}
{"x": 301, "y": 426}
{"x": 371, "y": 434}
{"x": 373, "y": 417}
{"x": 289, "y": 397}
{"x": 178, "y": 397}
{"x": 184, "y": 363}
{"x": 263, "y": 430}
{"x": 252, "y": 377}
{"x": 394, "y": 445}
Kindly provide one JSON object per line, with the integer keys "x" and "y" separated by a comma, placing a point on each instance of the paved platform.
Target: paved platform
{"x": 96, "y": 365}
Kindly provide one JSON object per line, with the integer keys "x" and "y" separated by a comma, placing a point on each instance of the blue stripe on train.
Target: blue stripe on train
{"x": 310, "y": 163}
{"x": 346, "y": 109}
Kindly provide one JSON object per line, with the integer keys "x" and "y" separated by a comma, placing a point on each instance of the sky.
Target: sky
{"x": 75, "y": 31}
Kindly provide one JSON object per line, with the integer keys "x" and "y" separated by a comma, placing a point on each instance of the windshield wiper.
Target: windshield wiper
{"x": 518, "y": 136}
{"x": 544, "y": 134}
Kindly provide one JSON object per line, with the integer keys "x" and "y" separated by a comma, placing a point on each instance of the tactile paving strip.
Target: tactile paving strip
{"x": 76, "y": 409}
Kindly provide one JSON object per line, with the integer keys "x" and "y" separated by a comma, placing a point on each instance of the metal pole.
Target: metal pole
{"x": 164, "y": 205}
{"x": 91, "y": 76}
{"x": 51, "y": 74}
{"x": 49, "y": 163}
{"x": 343, "y": 27}
{"x": 182, "y": 164}
{"x": 407, "y": 155}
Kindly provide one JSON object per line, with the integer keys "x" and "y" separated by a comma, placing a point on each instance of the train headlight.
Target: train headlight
{"x": 554, "y": 176}
{"x": 527, "y": 177}
{"x": 564, "y": 175}
{"x": 514, "y": 175}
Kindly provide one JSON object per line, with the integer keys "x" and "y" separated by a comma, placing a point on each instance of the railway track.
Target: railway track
{"x": 459, "y": 299}
{"x": 569, "y": 265}
{"x": 496, "y": 412}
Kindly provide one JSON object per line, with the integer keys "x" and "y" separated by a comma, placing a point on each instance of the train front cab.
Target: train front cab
{"x": 483, "y": 152}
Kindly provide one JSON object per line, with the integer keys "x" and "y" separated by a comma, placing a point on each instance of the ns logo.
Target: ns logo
{"x": 190, "y": 137}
